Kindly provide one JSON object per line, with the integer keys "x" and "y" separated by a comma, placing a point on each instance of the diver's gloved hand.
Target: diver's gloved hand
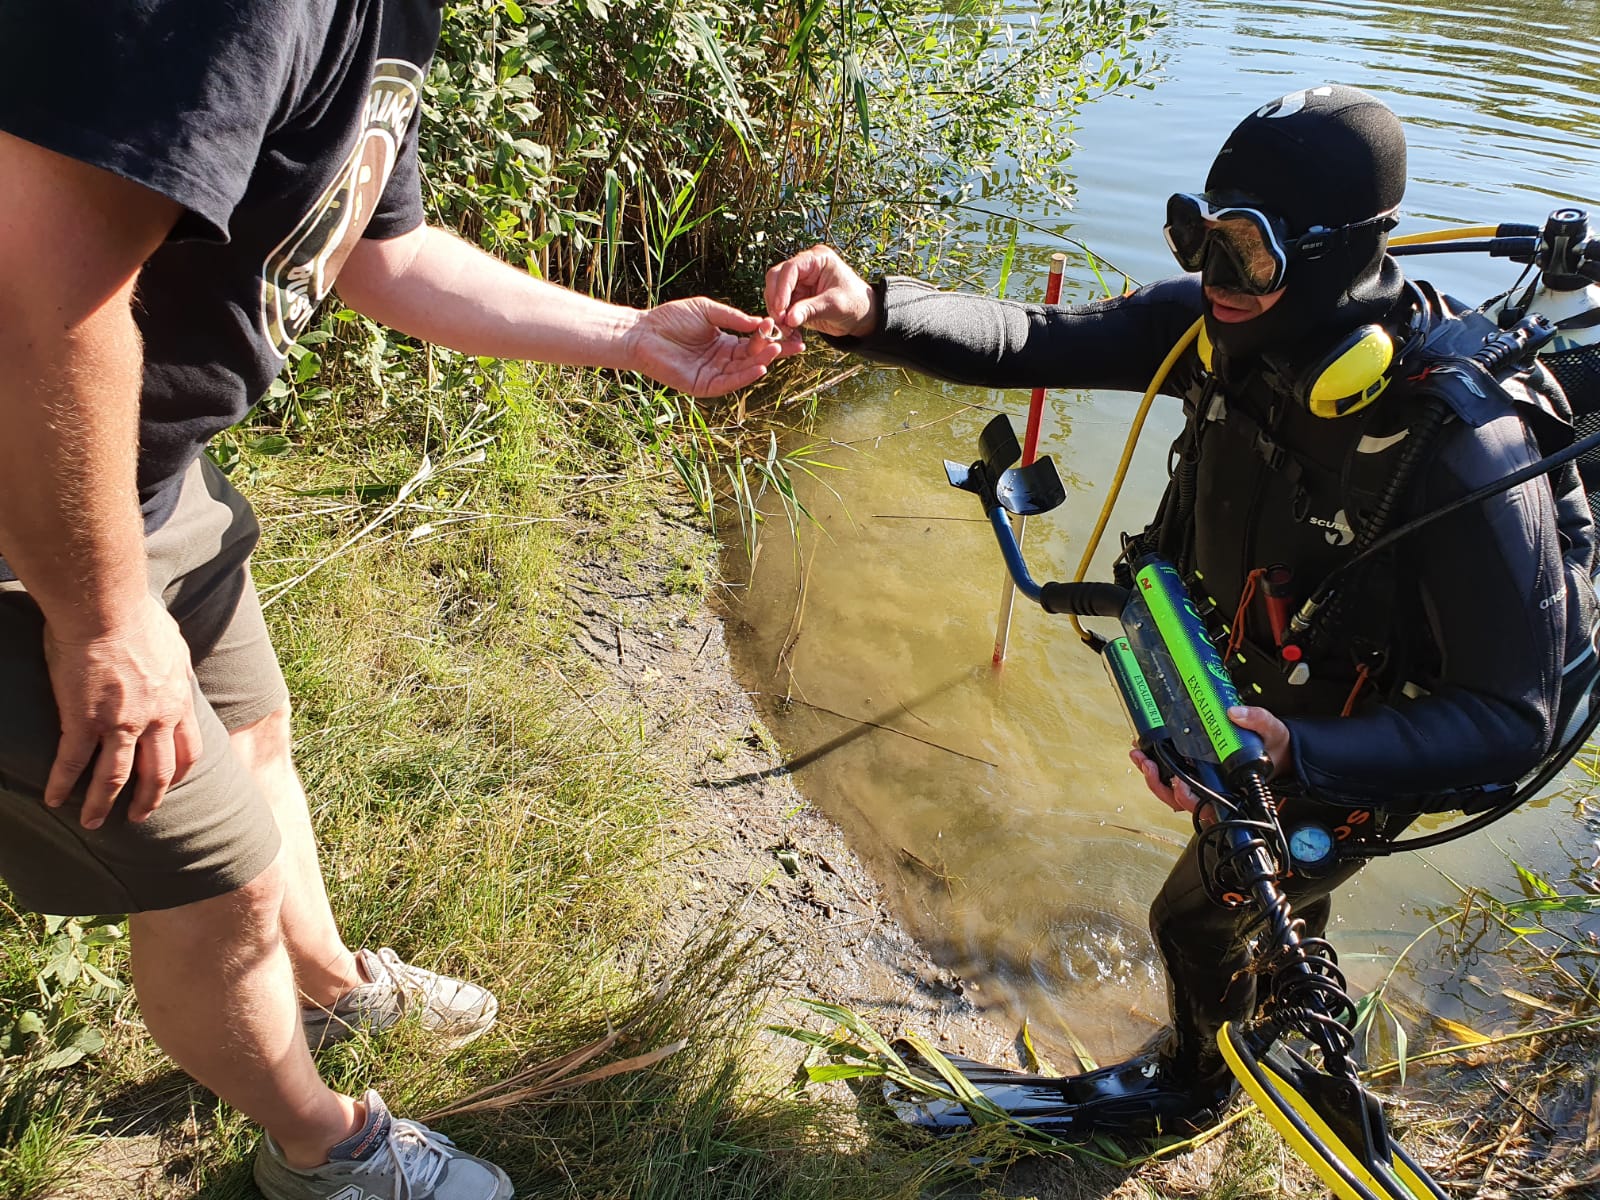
{"x": 816, "y": 289}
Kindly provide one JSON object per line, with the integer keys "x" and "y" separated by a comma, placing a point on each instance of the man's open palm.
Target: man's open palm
{"x": 705, "y": 348}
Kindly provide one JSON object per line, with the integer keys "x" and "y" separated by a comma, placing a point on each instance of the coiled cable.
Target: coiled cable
{"x": 1241, "y": 856}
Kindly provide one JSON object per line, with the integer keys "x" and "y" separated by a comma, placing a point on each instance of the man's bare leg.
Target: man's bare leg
{"x": 218, "y": 995}
{"x": 324, "y": 967}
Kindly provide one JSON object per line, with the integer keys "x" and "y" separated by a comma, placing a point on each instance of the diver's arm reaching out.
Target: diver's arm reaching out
{"x": 978, "y": 340}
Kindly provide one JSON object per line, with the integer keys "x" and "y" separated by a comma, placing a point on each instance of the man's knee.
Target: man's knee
{"x": 265, "y": 741}
{"x": 243, "y": 921}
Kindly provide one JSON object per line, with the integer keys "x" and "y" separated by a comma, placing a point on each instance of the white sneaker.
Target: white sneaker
{"x": 386, "y": 1159}
{"x": 452, "y": 1009}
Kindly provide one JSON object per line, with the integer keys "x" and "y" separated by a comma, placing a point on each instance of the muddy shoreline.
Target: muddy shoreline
{"x": 753, "y": 844}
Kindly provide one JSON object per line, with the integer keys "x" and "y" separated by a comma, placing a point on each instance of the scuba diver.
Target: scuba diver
{"x": 1329, "y": 399}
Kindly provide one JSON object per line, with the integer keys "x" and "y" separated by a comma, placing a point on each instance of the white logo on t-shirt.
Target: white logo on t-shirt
{"x": 300, "y": 271}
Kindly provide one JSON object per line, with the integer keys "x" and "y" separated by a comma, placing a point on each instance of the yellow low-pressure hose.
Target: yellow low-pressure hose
{"x": 1410, "y": 239}
{"x": 1445, "y": 235}
{"x": 1128, "y": 448}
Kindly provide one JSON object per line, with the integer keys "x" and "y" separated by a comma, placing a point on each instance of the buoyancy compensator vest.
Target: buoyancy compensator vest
{"x": 1448, "y": 371}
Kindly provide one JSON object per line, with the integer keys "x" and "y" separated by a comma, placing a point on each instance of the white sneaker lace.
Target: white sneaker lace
{"x": 410, "y": 983}
{"x": 414, "y": 1156}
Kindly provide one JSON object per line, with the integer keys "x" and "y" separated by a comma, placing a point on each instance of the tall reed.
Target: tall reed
{"x": 641, "y": 150}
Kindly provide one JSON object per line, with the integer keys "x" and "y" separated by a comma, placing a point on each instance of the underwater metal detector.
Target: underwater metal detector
{"x": 1176, "y": 692}
{"x": 1030, "y": 450}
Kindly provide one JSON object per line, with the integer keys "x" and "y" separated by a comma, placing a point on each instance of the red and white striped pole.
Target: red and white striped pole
{"x": 1030, "y": 451}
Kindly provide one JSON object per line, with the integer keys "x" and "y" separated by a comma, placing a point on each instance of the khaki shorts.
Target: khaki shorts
{"x": 214, "y": 831}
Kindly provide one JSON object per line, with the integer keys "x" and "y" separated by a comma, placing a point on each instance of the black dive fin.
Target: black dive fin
{"x": 1334, "y": 1125}
{"x": 1131, "y": 1099}
{"x": 1036, "y": 1100}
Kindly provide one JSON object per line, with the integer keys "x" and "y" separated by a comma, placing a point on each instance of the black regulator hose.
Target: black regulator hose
{"x": 1521, "y": 793}
{"x": 1242, "y": 858}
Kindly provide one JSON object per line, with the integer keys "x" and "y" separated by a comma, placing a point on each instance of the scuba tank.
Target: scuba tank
{"x": 1567, "y": 290}
{"x": 1567, "y": 293}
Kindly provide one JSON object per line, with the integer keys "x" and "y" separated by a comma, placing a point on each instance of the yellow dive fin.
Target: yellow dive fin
{"x": 1334, "y": 1125}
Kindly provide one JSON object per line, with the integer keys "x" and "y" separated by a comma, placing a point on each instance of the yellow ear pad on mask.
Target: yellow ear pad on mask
{"x": 1350, "y": 376}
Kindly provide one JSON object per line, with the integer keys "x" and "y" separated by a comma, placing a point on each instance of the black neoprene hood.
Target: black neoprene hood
{"x": 1327, "y": 156}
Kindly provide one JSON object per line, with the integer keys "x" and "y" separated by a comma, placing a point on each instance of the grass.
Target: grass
{"x": 489, "y": 806}
{"x": 1511, "y": 1109}
{"x": 44, "y": 1120}
{"x": 479, "y": 807}
{"x": 1511, "y": 1106}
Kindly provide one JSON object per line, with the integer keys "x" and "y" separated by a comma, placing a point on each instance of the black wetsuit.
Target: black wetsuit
{"x": 1465, "y": 630}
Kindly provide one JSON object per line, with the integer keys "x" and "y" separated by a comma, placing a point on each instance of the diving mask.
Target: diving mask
{"x": 1255, "y": 247}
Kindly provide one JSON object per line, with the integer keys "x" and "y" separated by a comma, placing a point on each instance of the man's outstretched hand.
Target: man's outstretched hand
{"x": 704, "y": 348}
{"x": 816, "y": 289}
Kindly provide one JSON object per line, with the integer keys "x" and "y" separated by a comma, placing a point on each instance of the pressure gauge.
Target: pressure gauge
{"x": 1311, "y": 847}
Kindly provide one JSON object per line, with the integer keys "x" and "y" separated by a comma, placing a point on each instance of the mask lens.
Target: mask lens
{"x": 1241, "y": 234}
{"x": 1245, "y": 242}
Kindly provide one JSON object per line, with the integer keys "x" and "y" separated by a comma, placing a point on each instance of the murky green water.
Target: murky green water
{"x": 1019, "y": 844}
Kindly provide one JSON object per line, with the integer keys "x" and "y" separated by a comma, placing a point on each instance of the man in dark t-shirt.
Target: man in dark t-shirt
{"x": 181, "y": 183}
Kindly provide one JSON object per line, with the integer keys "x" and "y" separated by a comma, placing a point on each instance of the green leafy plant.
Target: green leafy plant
{"x": 1538, "y": 932}
{"x": 57, "y": 997}
{"x": 56, "y": 1027}
{"x": 970, "y": 101}
{"x": 640, "y": 151}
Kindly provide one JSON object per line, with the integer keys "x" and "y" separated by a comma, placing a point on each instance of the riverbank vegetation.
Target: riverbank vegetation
{"x": 1504, "y": 1101}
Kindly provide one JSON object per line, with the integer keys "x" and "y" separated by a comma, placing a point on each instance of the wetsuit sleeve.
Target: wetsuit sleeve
{"x": 1494, "y": 588}
{"x": 978, "y": 340}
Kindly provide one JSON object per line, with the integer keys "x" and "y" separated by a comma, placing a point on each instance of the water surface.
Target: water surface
{"x": 1020, "y": 846}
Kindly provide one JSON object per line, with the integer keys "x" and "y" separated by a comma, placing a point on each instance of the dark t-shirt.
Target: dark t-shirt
{"x": 286, "y": 130}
